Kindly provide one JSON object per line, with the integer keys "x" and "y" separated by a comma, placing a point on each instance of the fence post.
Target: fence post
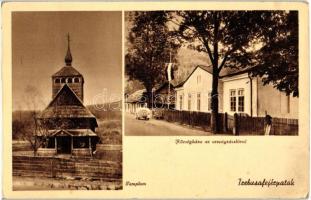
{"x": 235, "y": 124}
{"x": 225, "y": 122}
{"x": 268, "y": 124}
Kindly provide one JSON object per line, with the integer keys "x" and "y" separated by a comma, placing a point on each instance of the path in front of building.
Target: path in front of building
{"x": 155, "y": 127}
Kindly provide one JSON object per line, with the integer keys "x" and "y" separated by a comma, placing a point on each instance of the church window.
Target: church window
{"x": 69, "y": 80}
{"x": 57, "y": 80}
{"x": 76, "y": 80}
{"x": 63, "y": 80}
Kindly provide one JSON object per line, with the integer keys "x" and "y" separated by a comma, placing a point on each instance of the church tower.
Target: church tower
{"x": 68, "y": 75}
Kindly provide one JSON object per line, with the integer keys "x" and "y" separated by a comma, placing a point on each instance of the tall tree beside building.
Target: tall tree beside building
{"x": 230, "y": 39}
{"x": 277, "y": 60}
{"x": 149, "y": 48}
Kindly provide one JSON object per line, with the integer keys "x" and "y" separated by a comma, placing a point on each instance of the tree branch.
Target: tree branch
{"x": 205, "y": 42}
{"x": 225, "y": 58}
{"x": 223, "y": 62}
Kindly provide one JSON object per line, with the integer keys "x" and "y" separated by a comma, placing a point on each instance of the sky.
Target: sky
{"x": 39, "y": 46}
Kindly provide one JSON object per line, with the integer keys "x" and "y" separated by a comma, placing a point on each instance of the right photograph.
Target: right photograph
{"x": 200, "y": 73}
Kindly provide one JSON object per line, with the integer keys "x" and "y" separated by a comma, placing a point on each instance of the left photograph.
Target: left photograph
{"x": 67, "y": 100}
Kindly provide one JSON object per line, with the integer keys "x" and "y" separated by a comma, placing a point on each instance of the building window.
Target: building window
{"x": 57, "y": 80}
{"x": 76, "y": 80}
{"x": 69, "y": 80}
{"x": 63, "y": 80}
{"x": 198, "y": 101}
{"x": 209, "y": 101}
{"x": 198, "y": 79}
{"x": 189, "y": 102}
{"x": 232, "y": 100}
{"x": 241, "y": 100}
{"x": 180, "y": 102}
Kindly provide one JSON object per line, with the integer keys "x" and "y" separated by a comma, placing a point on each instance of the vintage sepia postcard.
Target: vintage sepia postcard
{"x": 66, "y": 114}
{"x": 164, "y": 100}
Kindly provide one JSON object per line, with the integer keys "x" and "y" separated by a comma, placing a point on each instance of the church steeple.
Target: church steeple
{"x": 68, "y": 58}
{"x": 69, "y": 76}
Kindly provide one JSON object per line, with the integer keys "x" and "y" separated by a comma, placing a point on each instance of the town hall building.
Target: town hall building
{"x": 68, "y": 126}
{"x": 238, "y": 93}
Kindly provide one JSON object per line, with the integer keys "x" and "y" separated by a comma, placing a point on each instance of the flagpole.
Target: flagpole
{"x": 168, "y": 100}
{"x": 169, "y": 83}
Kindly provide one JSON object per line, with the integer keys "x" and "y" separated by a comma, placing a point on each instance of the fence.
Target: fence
{"x": 250, "y": 125}
{"x": 281, "y": 126}
{"x": 239, "y": 124}
{"x": 109, "y": 152}
{"x": 191, "y": 118}
{"x": 63, "y": 168}
{"x": 246, "y": 125}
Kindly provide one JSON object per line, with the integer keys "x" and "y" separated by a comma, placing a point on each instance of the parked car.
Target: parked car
{"x": 143, "y": 113}
{"x": 158, "y": 114}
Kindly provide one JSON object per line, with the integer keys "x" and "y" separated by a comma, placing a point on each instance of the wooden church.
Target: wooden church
{"x": 68, "y": 126}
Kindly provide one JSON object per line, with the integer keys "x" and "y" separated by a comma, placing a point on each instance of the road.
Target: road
{"x": 155, "y": 127}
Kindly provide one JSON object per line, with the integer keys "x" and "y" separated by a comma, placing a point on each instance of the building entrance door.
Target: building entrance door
{"x": 64, "y": 145}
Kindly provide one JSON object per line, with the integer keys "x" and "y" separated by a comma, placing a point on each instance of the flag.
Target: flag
{"x": 169, "y": 72}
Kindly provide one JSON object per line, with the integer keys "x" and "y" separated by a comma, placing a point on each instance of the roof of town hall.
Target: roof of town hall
{"x": 225, "y": 72}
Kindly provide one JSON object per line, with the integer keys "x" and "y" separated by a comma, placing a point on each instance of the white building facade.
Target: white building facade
{"x": 194, "y": 94}
{"x": 238, "y": 93}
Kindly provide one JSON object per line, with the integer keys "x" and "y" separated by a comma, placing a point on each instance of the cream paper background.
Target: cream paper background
{"x": 185, "y": 171}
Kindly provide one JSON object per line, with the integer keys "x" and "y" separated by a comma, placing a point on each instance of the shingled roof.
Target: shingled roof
{"x": 66, "y": 104}
{"x": 67, "y": 71}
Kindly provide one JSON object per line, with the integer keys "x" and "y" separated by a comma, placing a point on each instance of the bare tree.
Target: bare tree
{"x": 32, "y": 129}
